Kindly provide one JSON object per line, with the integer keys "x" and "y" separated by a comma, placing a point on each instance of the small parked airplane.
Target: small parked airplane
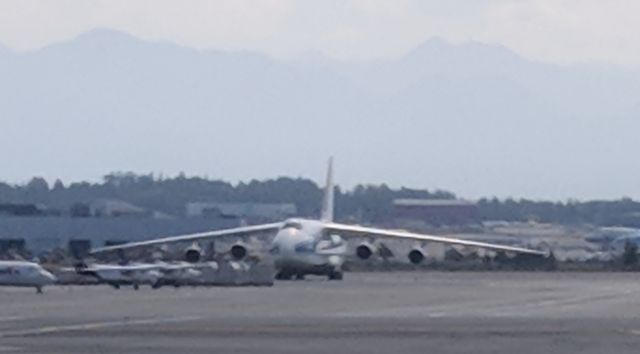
{"x": 24, "y": 274}
{"x": 306, "y": 246}
{"x": 136, "y": 274}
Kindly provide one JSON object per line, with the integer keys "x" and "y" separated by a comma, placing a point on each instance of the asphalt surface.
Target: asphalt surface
{"x": 408, "y": 312}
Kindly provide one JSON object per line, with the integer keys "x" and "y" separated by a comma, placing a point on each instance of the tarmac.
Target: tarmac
{"x": 400, "y": 312}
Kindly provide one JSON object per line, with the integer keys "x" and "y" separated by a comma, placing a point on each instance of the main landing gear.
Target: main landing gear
{"x": 332, "y": 275}
{"x": 283, "y": 276}
{"x": 289, "y": 276}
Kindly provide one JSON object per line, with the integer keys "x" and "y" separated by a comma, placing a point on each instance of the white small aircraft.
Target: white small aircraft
{"x": 305, "y": 246}
{"x": 25, "y": 274}
{"x": 136, "y": 274}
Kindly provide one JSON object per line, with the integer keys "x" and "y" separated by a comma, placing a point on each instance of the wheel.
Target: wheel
{"x": 299, "y": 276}
{"x": 136, "y": 286}
{"x": 335, "y": 275}
{"x": 283, "y": 276}
{"x": 39, "y": 290}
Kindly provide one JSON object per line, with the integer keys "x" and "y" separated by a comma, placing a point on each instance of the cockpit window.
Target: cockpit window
{"x": 292, "y": 224}
{"x": 306, "y": 247}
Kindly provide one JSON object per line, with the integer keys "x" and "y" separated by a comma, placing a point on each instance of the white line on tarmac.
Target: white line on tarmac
{"x": 518, "y": 309}
{"x": 6, "y": 349}
{"x": 95, "y": 325}
{"x": 12, "y": 318}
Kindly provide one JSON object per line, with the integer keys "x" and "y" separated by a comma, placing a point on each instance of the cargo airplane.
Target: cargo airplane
{"x": 307, "y": 246}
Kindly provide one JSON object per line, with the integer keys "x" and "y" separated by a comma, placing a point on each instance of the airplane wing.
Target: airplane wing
{"x": 238, "y": 231}
{"x": 361, "y": 231}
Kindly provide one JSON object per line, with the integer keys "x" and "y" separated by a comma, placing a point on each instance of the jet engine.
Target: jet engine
{"x": 239, "y": 251}
{"x": 416, "y": 256}
{"x": 193, "y": 253}
{"x": 365, "y": 250}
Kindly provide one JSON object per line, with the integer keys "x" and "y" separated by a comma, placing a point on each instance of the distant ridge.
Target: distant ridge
{"x": 472, "y": 117}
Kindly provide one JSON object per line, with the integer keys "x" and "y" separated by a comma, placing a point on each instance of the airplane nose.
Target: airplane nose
{"x": 49, "y": 277}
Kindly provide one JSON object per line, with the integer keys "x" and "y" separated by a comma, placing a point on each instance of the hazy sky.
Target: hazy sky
{"x": 550, "y": 30}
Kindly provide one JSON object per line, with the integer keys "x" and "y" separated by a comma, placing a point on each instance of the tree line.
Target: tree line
{"x": 622, "y": 212}
{"x": 368, "y": 203}
{"x": 363, "y": 203}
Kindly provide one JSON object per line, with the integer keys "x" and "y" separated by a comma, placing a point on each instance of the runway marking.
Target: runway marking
{"x": 521, "y": 308}
{"x": 12, "y": 318}
{"x": 635, "y": 332}
{"x": 95, "y": 325}
{"x": 437, "y": 314}
{"x": 6, "y": 348}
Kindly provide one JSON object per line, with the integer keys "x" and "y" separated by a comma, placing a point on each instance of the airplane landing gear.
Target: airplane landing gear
{"x": 283, "y": 276}
{"x": 335, "y": 275}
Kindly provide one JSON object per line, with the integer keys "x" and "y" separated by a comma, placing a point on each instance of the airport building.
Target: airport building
{"x": 250, "y": 212}
{"x": 436, "y": 212}
{"x": 111, "y": 222}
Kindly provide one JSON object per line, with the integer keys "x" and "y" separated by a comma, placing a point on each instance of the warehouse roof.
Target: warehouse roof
{"x": 432, "y": 202}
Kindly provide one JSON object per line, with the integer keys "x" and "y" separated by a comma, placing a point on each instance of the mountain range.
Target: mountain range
{"x": 474, "y": 118}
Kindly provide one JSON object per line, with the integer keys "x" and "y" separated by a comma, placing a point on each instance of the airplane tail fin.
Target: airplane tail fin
{"x": 327, "y": 200}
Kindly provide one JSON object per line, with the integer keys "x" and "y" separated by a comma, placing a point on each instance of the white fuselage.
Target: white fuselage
{"x": 144, "y": 273}
{"x": 22, "y": 273}
{"x": 302, "y": 247}
{"x": 121, "y": 275}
